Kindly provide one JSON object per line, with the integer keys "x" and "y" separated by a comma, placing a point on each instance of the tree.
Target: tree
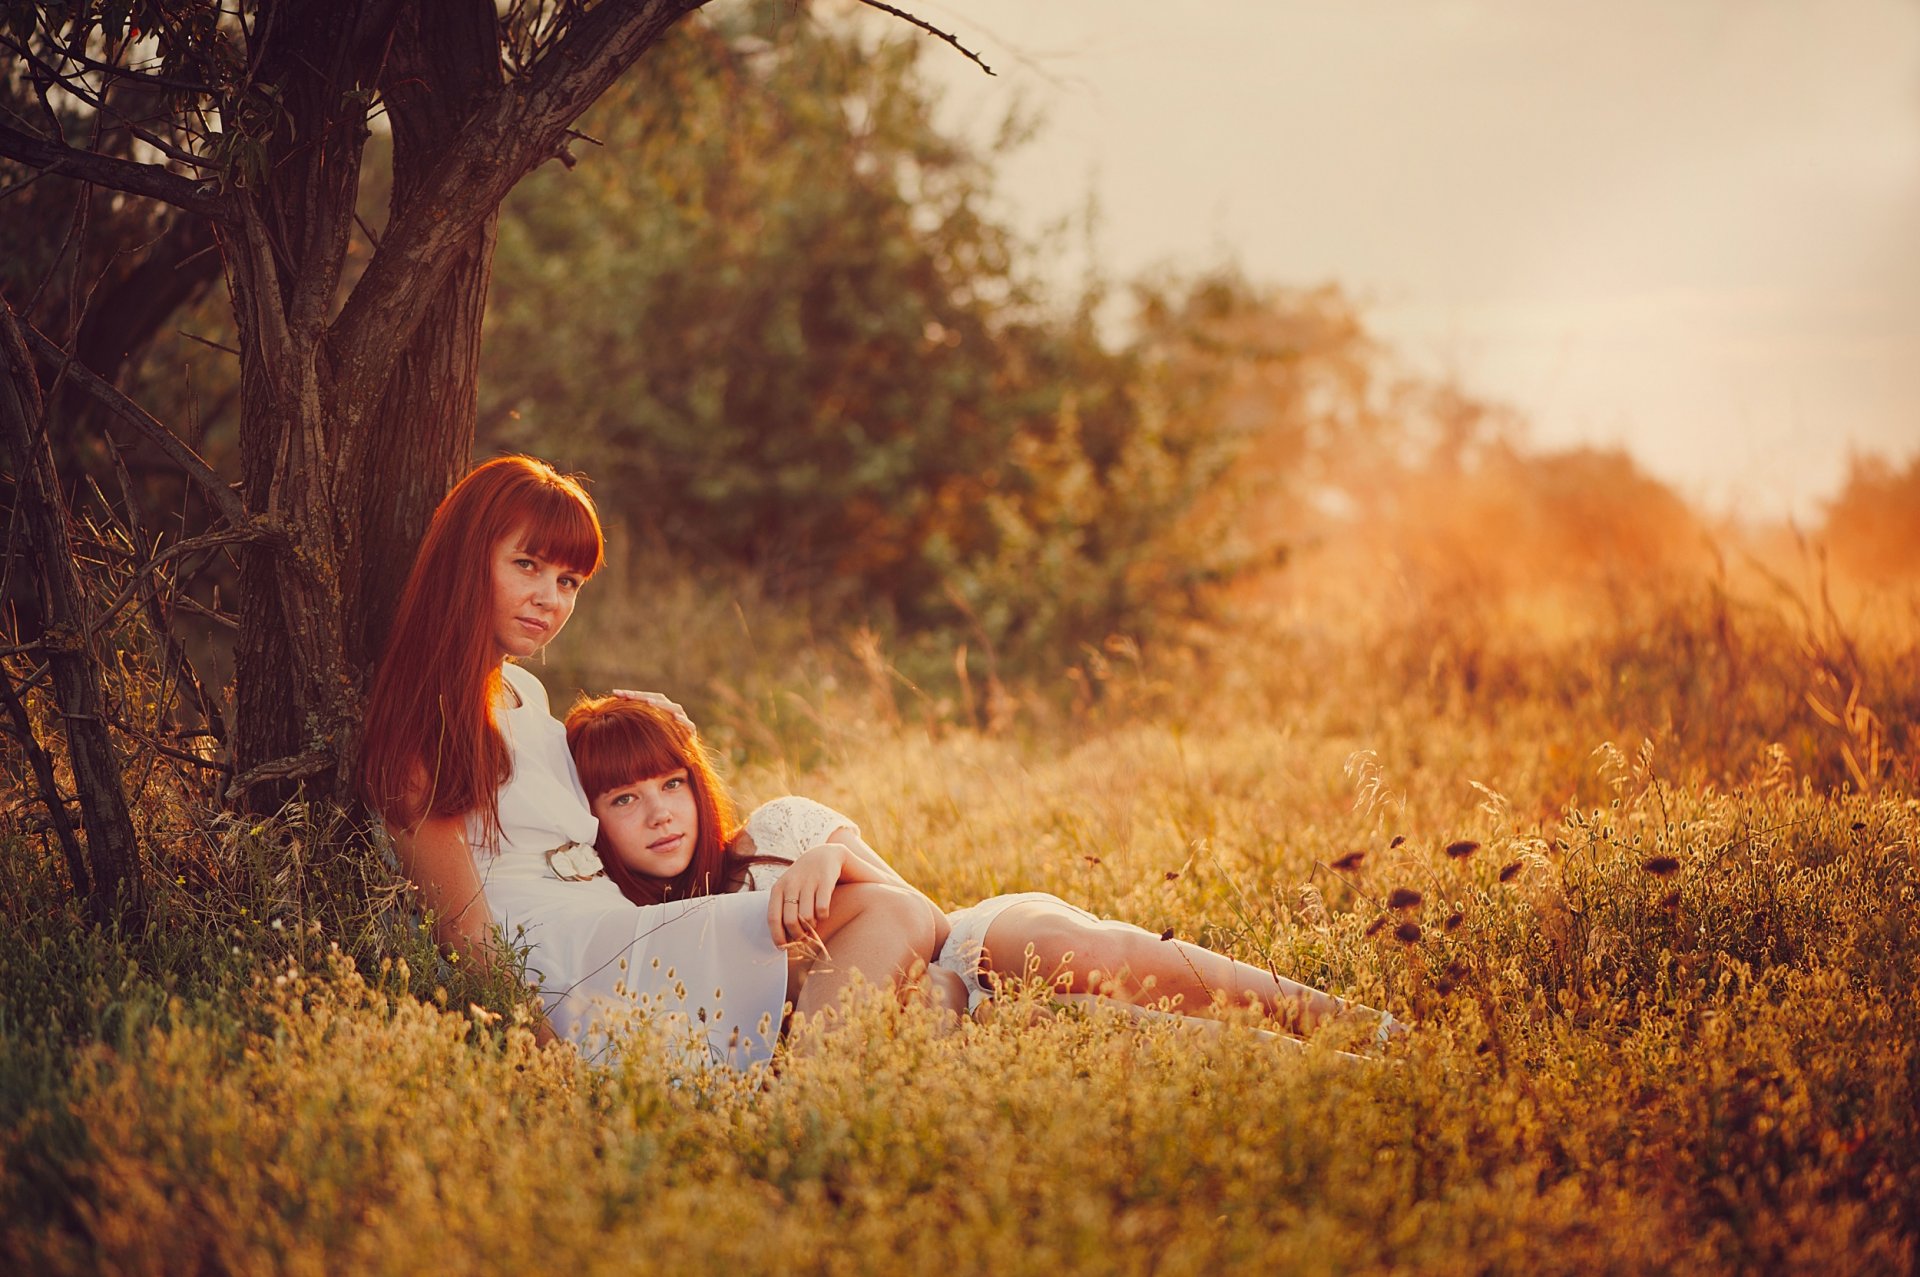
{"x": 357, "y": 396}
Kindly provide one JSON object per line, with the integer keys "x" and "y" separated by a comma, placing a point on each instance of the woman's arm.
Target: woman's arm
{"x": 436, "y": 859}
{"x": 871, "y": 861}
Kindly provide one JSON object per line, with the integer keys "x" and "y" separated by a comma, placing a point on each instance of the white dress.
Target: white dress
{"x": 591, "y": 947}
{"x": 785, "y": 827}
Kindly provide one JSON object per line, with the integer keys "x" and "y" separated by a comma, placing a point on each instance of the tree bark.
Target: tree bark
{"x": 67, "y": 639}
{"x": 433, "y": 82}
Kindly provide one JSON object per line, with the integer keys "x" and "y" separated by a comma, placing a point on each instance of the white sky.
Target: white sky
{"x": 1687, "y": 226}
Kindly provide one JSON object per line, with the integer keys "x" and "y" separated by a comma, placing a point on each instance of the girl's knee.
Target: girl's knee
{"x": 902, "y": 915}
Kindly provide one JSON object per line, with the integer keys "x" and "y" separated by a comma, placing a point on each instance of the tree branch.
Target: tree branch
{"x": 514, "y": 130}
{"x": 147, "y": 180}
{"x": 223, "y": 497}
{"x": 931, "y": 30}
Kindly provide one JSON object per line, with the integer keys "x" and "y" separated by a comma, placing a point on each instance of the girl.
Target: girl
{"x": 470, "y": 772}
{"x": 667, "y": 833}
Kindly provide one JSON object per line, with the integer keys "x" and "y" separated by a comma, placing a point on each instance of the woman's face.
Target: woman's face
{"x": 651, "y": 825}
{"x": 532, "y": 598}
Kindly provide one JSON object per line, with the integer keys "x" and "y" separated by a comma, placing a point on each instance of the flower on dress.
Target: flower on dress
{"x": 575, "y": 862}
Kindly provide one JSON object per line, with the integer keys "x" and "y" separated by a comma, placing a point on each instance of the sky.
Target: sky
{"x": 1686, "y": 227}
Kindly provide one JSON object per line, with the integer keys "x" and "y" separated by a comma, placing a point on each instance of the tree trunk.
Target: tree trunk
{"x": 67, "y": 640}
{"x": 311, "y": 631}
{"x": 432, "y": 397}
{"x": 283, "y": 252}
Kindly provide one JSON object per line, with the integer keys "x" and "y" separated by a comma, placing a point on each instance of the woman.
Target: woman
{"x": 470, "y": 772}
{"x": 666, "y": 832}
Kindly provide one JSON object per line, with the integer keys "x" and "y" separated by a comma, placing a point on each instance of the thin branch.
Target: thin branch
{"x": 223, "y": 497}
{"x": 150, "y": 181}
{"x": 208, "y": 341}
{"x": 98, "y": 101}
{"x": 294, "y": 768}
{"x": 43, "y": 778}
{"x": 931, "y": 30}
{"x": 126, "y": 73}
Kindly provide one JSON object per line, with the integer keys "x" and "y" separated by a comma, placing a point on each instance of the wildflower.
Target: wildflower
{"x": 1462, "y": 849}
{"x": 1172, "y": 874}
{"x": 1443, "y": 986}
{"x": 1397, "y": 840}
{"x": 1670, "y": 901}
{"x": 1454, "y": 920}
{"x": 1407, "y": 933}
{"x": 1511, "y": 870}
{"x": 1661, "y": 866}
{"x": 1373, "y": 928}
{"x": 1350, "y": 861}
{"x": 1403, "y": 898}
{"x": 1167, "y": 934}
{"x": 1092, "y": 860}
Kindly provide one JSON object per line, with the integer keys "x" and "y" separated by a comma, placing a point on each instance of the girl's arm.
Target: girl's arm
{"x": 436, "y": 859}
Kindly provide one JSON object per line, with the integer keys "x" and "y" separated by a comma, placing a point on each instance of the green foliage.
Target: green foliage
{"x": 779, "y": 325}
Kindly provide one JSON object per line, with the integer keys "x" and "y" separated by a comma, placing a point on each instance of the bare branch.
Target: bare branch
{"x": 223, "y": 497}
{"x": 297, "y": 767}
{"x": 131, "y": 176}
{"x": 43, "y": 777}
{"x": 931, "y": 30}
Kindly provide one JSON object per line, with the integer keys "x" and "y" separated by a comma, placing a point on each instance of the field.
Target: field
{"x": 1662, "y": 970}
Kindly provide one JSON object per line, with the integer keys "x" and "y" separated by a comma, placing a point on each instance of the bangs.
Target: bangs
{"x": 562, "y": 528}
{"x": 614, "y": 749}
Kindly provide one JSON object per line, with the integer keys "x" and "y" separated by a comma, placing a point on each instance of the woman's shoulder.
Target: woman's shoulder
{"x": 526, "y": 685}
{"x": 788, "y": 826}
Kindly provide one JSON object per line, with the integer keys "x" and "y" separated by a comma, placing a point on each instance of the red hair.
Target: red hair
{"x": 617, "y": 741}
{"x": 432, "y": 747}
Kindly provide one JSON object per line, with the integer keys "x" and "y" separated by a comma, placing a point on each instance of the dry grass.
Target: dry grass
{"x": 1662, "y": 961}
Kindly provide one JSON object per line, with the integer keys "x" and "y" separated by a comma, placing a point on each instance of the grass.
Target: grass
{"x": 1663, "y": 965}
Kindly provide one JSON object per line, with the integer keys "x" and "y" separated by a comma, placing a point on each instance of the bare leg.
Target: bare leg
{"x": 1121, "y": 961}
{"x": 878, "y": 932}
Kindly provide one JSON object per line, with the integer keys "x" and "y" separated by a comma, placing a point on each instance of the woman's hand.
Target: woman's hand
{"x": 660, "y": 699}
{"x": 803, "y": 896}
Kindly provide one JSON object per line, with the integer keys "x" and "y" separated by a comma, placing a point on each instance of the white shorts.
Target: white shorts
{"x": 967, "y": 938}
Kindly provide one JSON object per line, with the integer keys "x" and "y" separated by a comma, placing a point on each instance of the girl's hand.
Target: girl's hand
{"x": 804, "y": 894}
{"x": 658, "y": 698}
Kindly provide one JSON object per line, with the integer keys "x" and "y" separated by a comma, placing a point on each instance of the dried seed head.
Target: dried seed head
{"x": 1670, "y": 901}
{"x": 1373, "y": 928}
{"x": 1350, "y": 861}
{"x": 1859, "y": 826}
{"x": 1397, "y": 840}
{"x": 1092, "y": 860}
{"x": 1172, "y": 874}
{"x": 1454, "y": 920}
{"x": 1511, "y": 870}
{"x": 1462, "y": 849}
{"x": 1403, "y": 898}
{"x": 1167, "y": 934}
{"x": 1407, "y": 933}
{"x": 1456, "y": 970}
{"x": 1443, "y": 986}
{"x": 1661, "y": 866}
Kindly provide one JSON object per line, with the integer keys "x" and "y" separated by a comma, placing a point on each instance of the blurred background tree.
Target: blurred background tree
{"x": 780, "y": 324}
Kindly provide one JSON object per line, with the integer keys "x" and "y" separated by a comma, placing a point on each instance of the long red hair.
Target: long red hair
{"x": 432, "y": 747}
{"x": 617, "y": 741}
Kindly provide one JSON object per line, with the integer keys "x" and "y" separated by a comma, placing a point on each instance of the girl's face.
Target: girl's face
{"x": 651, "y": 825}
{"x": 532, "y": 597}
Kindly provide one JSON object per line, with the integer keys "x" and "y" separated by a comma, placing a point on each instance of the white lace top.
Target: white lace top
{"x": 785, "y": 827}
